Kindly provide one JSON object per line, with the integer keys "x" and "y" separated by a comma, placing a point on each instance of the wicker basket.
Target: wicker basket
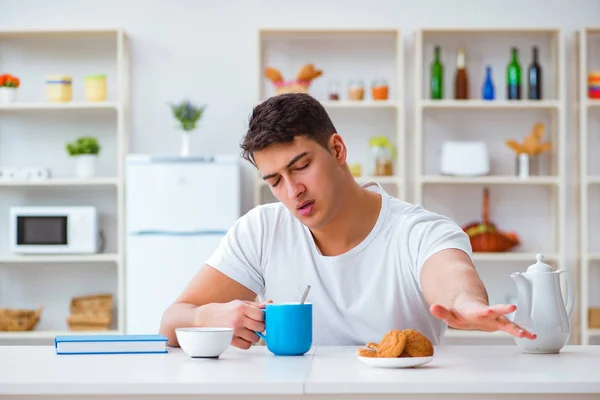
{"x": 92, "y": 312}
{"x": 91, "y": 320}
{"x": 491, "y": 239}
{"x": 18, "y": 319}
{"x": 97, "y": 302}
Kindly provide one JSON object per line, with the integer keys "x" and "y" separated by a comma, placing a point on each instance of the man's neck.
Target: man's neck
{"x": 354, "y": 221}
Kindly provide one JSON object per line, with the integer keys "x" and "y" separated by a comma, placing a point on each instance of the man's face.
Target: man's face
{"x": 304, "y": 176}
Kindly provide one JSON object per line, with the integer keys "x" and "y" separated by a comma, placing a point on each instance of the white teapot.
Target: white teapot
{"x": 541, "y": 308}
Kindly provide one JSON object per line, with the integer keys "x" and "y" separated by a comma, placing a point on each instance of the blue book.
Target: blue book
{"x": 110, "y": 344}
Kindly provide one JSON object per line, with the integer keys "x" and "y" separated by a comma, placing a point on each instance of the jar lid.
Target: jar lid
{"x": 95, "y": 77}
{"x": 59, "y": 77}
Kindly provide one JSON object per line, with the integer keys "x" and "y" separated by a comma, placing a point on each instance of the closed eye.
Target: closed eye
{"x": 302, "y": 167}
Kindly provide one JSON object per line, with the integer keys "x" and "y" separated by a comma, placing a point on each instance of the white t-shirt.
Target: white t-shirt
{"x": 357, "y": 296}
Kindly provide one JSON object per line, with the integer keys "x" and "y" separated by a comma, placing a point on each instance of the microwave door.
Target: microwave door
{"x": 42, "y": 230}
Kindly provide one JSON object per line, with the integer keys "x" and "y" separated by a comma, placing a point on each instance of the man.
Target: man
{"x": 374, "y": 262}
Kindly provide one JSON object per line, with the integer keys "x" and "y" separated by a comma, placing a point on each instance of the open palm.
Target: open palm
{"x": 478, "y": 316}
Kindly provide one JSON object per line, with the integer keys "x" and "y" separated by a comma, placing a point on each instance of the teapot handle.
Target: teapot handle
{"x": 570, "y": 291}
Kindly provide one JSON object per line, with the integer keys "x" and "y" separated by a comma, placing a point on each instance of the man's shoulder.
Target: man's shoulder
{"x": 403, "y": 214}
{"x": 268, "y": 214}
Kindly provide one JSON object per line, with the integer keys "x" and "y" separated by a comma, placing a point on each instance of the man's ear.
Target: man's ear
{"x": 338, "y": 148}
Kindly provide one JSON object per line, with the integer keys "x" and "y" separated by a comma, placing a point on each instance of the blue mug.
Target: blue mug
{"x": 288, "y": 328}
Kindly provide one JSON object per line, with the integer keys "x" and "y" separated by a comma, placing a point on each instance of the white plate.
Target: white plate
{"x": 400, "y": 362}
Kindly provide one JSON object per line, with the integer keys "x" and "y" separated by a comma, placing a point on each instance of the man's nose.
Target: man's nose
{"x": 294, "y": 188}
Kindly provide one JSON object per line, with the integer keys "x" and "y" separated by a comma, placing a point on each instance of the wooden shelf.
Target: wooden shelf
{"x": 595, "y": 332}
{"x": 51, "y": 334}
{"x": 360, "y": 104}
{"x": 52, "y": 33}
{"x": 360, "y": 179}
{"x": 49, "y": 258}
{"x": 447, "y": 119}
{"x": 512, "y": 256}
{"x": 68, "y": 50}
{"x": 489, "y": 180}
{"x": 47, "y": 106}
{"x": 489, "y": 104}
{"x": 592, "y": 103}
{"x": 342, "y": 50}
{"x": 584, "y": 52}
{"x": 62, "y": 182}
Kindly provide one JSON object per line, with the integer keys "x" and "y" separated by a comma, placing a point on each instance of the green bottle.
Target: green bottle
{"x": 513, "y": 77}
{"x": 437, "y": 76}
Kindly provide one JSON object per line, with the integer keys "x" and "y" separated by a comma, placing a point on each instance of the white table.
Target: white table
{"x": 457, "y": 372}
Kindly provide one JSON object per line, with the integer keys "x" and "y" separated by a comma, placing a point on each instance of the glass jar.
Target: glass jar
{"x": 382, "y": 156}
{"x": 380, "y": 90}
{"x": 333, "y": 91}
{"x": 356, "y": 90}
{"x": 95, "y": 87}
{"x": 59, "y": 88}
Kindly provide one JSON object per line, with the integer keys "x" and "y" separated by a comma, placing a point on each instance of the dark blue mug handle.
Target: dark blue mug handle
{"x": 263, "y": 337}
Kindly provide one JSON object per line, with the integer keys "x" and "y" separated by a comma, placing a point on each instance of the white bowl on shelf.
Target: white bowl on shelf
{"x": 204, "y": 342}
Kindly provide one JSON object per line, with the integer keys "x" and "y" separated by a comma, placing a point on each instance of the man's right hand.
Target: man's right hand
{"x": 245, "y": 317}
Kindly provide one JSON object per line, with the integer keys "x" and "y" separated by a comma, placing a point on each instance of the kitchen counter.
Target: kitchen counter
{"x": 457, "y": 372}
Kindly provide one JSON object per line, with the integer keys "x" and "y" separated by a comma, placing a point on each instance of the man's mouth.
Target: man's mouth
{"x": 304, "y": 205}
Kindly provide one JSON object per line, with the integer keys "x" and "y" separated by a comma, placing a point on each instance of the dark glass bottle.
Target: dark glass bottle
{"x": 534, "y": 77}
{"x": 461, "y": 81}
{"x": 437, "y": 76}
{"x": 513, "y": 77}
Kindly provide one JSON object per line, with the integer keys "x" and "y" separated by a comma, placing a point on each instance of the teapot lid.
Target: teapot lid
{"x": 539, "y": 266}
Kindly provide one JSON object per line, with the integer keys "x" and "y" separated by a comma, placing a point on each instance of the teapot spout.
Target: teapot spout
{"x": 524, "y": 292}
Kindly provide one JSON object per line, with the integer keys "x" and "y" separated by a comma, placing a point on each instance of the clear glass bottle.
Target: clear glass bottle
{"x": 382, "y": 156}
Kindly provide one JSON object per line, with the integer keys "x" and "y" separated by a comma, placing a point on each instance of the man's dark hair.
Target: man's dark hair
{"x": 280, "y": 118}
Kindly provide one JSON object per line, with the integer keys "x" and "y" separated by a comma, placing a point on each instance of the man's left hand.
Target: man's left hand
{"x": 481, "y": 317}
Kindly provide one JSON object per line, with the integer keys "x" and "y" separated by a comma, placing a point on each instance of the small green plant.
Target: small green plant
{"x": 83, "y": 145}
{"x": 187, "y": 114}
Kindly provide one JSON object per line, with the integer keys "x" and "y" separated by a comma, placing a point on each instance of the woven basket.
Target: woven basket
{"x": 18, "y": 319}
{"x": 493, "y": 240}
{"x": 90, "y": 320}
{"x": 97, "y": 302}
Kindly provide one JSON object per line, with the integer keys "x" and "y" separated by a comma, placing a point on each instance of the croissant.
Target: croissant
{"x": 273, "y": 74}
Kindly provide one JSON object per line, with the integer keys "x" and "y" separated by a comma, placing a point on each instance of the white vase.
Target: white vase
{"x": 7, "y": 95}
{"x": 85, "y": 165}
{"x": 185, "y": 144}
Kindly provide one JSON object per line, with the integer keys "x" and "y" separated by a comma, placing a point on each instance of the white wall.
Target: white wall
{"x": 206, "y": 51}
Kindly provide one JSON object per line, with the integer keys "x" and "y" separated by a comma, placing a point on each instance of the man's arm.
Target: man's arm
{"x": 210, "y": 299}
{"x": 457, "y": 295}
{"x": 449, "y": 277}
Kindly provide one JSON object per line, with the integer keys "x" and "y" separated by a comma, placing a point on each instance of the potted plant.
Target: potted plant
{"x": 188, "y": 116}
{"x": 8, "y": 88}
{"x": 85, "y": 150}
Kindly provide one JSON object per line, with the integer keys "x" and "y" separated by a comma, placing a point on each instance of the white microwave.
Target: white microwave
{"x": 53, "y": 230}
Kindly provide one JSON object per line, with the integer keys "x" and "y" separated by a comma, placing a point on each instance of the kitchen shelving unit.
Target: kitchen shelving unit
{"x": 50, "y": 281}
{"x": 513, "y": 201}
{"x": 344, "y": 54}
{"x": 587, "y": 116}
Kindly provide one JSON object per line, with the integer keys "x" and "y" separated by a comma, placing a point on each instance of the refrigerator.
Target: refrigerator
{"x": 177, "y": 211}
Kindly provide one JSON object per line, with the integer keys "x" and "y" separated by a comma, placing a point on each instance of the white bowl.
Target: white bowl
{"x": 204, "y": 342}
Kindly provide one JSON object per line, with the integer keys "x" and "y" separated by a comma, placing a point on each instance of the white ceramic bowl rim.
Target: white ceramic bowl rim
{"x": 204, "y": 329}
